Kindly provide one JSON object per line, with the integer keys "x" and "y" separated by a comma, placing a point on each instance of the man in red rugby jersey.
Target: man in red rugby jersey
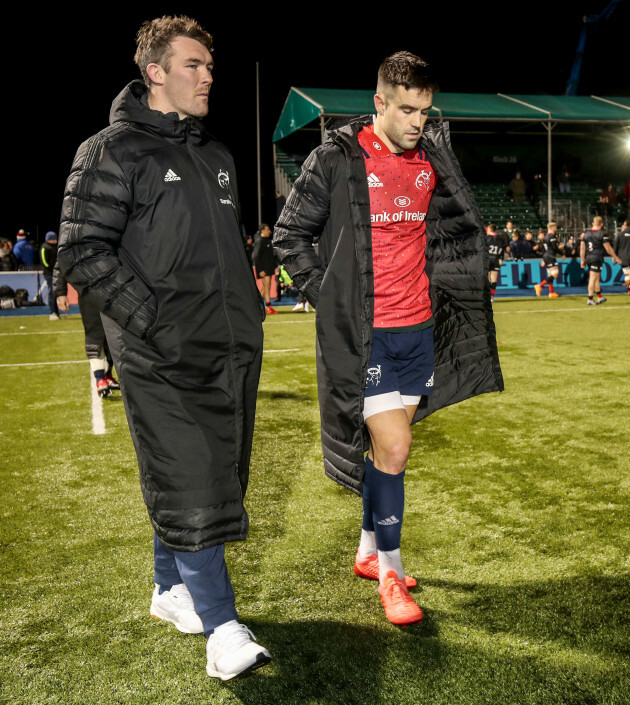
{"x": 399, "y": 281}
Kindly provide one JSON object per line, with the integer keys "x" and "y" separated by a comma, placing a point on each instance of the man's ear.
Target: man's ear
{"x": 380, "y": 104}
{"x": 156, "y": 74}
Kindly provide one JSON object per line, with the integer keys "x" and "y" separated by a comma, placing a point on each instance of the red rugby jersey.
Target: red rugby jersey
{"x": 400, "y": 189}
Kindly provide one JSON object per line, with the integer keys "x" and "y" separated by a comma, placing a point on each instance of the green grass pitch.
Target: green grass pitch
{"x": 517, "y": 528}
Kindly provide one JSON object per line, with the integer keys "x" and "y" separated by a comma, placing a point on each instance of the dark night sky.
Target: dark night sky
{"x": 69, "y": 65}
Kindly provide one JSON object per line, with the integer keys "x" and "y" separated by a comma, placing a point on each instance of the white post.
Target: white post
{"x": 258, "y": 144}
{"x": 549, "y": 175}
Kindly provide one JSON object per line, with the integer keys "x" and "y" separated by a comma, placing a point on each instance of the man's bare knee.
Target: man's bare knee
{"x": 391, "y": 457}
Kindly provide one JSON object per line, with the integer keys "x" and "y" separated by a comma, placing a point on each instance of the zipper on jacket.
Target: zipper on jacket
{"x": 238, "y": 404}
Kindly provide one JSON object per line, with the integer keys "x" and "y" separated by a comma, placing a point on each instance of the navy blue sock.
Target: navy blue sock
{"x": 387, "y": 495}
{"x": 368, "y": 522}
{"x": 164, "y": 588}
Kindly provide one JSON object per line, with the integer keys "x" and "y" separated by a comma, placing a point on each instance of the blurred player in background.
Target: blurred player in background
{"x": 496, "y": 252}
{"x": 551, "y": 250}
{"x": 96, "y": 348}
{"x": 622, "y": 250}
{"x": 593, "y": 248}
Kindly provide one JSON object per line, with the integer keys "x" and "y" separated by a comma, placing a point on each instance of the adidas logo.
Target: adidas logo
{"x": 430, "y": 382}
{"x": 390, "y": 521}
{"x": 374, "y": 181}
{"x": 171, "y": 176}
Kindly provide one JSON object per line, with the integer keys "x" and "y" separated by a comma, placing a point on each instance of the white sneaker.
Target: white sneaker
{"x": 54, "y": 317}
{"x": 308, "y": 307}
{"x": 298, "y": 307}
{"x": 176, "y": 606}
{"x": 231, "y": 652}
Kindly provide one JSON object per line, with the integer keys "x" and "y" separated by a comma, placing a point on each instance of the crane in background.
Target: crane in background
{"x": 588, "y": 22}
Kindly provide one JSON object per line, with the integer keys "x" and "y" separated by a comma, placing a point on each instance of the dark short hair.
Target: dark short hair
{"x": 153, "y": 41}
{"x": 405, "y": 69}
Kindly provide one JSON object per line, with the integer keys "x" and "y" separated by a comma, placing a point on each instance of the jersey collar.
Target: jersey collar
{"x": 374, "y": 147}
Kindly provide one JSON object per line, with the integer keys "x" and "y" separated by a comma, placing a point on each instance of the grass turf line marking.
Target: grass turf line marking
{"x": 75, "y": 362}
{"x": 44, "y": 332}
{"x": 559, "y": 310}
{"x": 37, "y": 364}
{"x": 98, "y": 420}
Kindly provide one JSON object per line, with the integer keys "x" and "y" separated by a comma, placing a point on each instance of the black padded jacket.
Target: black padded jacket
{"x": 330, "y": 205}
{"x": 150, "y": 228}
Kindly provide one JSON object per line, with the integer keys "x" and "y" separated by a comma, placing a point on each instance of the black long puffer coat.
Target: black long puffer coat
{"x": 330, "y": 204}
{"x": 150, "y": 227}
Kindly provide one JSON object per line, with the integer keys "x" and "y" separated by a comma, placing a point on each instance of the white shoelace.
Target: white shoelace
{"x": 231, "y": 636}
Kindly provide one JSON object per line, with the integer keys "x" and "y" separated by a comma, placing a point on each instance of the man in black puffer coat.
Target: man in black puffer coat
{"x": 151, "y": 229}
{"x": 358, "y": 197}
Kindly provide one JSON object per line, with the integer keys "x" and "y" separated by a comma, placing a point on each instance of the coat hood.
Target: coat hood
{"x": 345, "y": 129}
{"x": 131, "y": 105}
{"x": 346, "y": 126}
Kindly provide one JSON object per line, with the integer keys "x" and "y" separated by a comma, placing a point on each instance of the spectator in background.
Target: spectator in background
{"x": 536, "y": 190}
{"x": 285, "y": 283}
{"x": 622, "y": 250}
{"x": 527, "y": 245}
{"x": 48, "y": 258}
{"x": 564, "y": 181}
{"x": 571, "y": 248}
{"x": 280, "y": 201}
{"x": 248, "y": 243}
{"x": 608, "y": 199}
{"x": 264, "y": 263}
{"x": 505, "y": 236}
{"x": 538, "y": 247}
{"x": 24, "y": 251}
{"x": 508, "y": 230}
{"x": 516, "y": 245}
{"x": 8, "y": 263}
{"x": 518, "y": 188}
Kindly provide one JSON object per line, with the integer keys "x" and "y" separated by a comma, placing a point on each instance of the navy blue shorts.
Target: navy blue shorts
{"x": 400, "y": 370}
{"x": 594, "y": 265}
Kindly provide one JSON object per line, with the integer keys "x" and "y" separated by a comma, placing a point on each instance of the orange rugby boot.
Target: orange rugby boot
{"x": 398, "y": 603}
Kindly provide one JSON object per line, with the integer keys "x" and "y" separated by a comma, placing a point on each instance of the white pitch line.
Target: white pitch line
{"x": 76, "y": 362}
{"x": 269, "y": 323}
{"x": 562, "y": 310}
{"x": 44, "y": 332}
{"x": 37, "y": 364}
{"x": 98, "y": 420}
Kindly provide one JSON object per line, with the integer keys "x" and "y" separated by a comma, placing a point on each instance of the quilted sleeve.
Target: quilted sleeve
{"x": 300, "y": 224}
{"x": 96, "y": 205}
